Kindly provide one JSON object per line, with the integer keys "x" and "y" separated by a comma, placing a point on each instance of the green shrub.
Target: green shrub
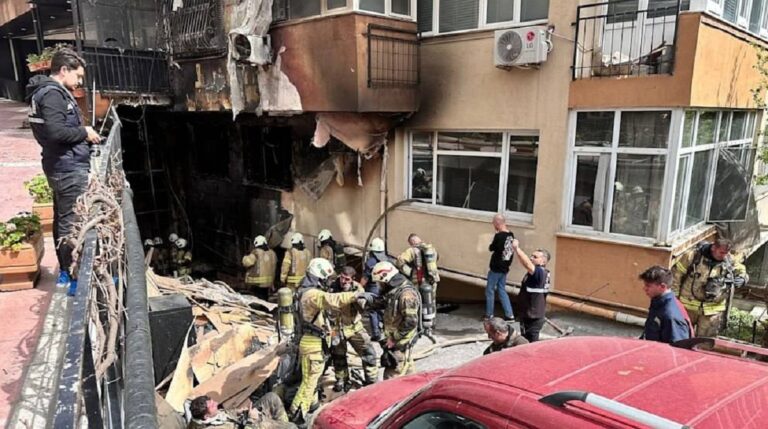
{"x": 39, "y": 190}
{"x": 740, "y": 326}
{"x": 18, "y": 230}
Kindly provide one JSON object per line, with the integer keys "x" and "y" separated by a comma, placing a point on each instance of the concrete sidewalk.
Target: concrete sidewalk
{"x": 23, "y": 313}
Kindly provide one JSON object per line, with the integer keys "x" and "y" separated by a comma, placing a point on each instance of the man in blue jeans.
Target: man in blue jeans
{"x": 57, "y": 125}
{"x": 501, "y": 258}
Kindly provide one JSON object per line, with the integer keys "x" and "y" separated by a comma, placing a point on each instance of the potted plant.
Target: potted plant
{"x": 42, "y": 197}
{"x": 41, "y": 61}
{"x": 21, "y": 248}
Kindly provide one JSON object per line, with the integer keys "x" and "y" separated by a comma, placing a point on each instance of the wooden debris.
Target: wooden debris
{"x": 218, "y": 352}
{"x": 167, "y": 417}
{"x": 181, "y": 384}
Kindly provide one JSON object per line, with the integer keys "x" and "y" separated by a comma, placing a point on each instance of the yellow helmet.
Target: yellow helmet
{"x": 383, "y": 272}
{"x": 320, "y": 268}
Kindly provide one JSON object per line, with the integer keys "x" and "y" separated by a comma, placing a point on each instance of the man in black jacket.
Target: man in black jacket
{"x": 57, "y": 125}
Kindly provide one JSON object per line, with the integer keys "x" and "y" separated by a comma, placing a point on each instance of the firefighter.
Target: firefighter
{"x": 260, "y": 267}
{"x": 331, "y": 250}
{"x": 183, "y": 258}
{"x": 401, "y": 319}
{"x": 704, "y": 280}
{"x": 313, "y": 303}
{"x": 349, "y": 324}
{"x": 376, "y": 254}
{"x": 172, "y": 251}
{"x": 419, "y": 263}
{"x": 160, "y": 257}
{"x": 295, "y": 262}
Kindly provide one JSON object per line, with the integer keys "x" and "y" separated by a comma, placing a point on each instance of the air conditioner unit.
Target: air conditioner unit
{"x": 255, "y": 50}
{"x": 520, "y": 46}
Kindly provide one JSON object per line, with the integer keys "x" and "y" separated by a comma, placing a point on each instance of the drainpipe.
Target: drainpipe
{"x": 553, "y": 298}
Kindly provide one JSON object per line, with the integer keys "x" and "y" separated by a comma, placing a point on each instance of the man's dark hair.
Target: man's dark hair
{"x": 497, "y": 324}
{"x": 199, "y": 407}
{"x": 658, "y": 275}
{"x": 349, "y": 271}
{"x": 66, "y": 57}
{"x": 723, "y": 243}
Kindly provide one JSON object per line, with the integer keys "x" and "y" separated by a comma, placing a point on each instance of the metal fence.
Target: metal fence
{"x": 614, "y": 38}
{"x": 124, "y": 395}
{"x": 197, "y": 28}
{"x": 127, "y": 70}
{"x": 393, "y": 57}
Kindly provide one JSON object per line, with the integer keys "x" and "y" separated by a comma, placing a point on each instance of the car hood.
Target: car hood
{"x": 357, "y": 409}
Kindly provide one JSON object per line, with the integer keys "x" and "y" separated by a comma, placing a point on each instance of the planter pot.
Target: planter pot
{"x": 19, "y": 270}
{"x": 39, "y": 66}
{"x": 45, "y": 212}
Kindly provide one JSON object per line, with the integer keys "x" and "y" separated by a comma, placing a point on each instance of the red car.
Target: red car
{"x": 575, "y": 382}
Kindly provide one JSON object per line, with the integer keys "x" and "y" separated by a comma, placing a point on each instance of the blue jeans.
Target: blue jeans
{"x": 497, "y": 282}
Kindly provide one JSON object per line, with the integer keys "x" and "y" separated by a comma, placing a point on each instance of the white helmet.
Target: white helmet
{"x": 383, "y": 272}
{"x": 173, "y": 237}
{"x": 259, "y": 241}
{"x": 158, "y": 241}
{"x": 181, "y": 243}
{"x": 149, "y": 242}
{"x": 297, "y": 238}
{"x": 377, "y": 245}
{"x": 320, "y": 268}
{"x": 324, "y": 235}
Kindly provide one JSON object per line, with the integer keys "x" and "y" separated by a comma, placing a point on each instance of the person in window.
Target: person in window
{"x": 422, "y": 184}
{"x": 667, "y": 320}
{"x": 533, "y": 290}
{"x": 57, "y": 125}
{"x": 501, "y": 258}
{"x": 502, "y": 335}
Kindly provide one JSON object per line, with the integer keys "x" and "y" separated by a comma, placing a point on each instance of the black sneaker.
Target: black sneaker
{"x": 509, "y": 319}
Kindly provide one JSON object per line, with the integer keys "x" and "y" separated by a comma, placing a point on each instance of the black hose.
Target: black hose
{"x": 378, "y": 221}
{"x": 139, "y": 400}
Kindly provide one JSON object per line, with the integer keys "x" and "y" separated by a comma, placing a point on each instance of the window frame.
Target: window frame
{"x": 354, "y": 6}
{"x": 614, "y": 150}
{"x": 502, "y": 156}
{"x": 717, "y": 8}
{"x": 482, "y": 20}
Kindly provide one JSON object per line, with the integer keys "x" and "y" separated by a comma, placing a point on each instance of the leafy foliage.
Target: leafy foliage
{"x": 759, "y": 94}
{"x": 740, "y": 326}
{"x": 18, "y": 230}
{"x": 39, "y": 190}
{"x": 47, "y": 53}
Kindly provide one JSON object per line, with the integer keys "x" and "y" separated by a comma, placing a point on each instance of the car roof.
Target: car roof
{"x": 690, "y": 387}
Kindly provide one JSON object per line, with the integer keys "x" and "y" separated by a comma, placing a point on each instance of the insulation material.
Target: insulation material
{"x": 315, "y": 185}
{"x": 365, "y": 133}
{"x": 278, "y": 96}
{"x": 250, "y": 18}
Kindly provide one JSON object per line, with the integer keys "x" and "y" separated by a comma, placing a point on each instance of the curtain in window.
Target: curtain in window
{"x": 457, "y": 15}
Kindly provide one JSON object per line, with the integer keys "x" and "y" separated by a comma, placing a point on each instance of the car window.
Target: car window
{"x": 441, "y": 420}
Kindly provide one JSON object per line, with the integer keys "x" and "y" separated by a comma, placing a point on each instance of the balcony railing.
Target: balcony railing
{"x": 614, "y": 38}
{"x": 127, "y": 70}
{"x": 393, "y": 57}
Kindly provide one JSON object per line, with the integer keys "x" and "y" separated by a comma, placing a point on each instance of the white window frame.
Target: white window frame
{"x": 614, "y": 150}
{"x": 716, "y": 9}
{"x": 387, "y": 10}
{"x": 354, "y": 6}
{"x": 502, "y": 155}
{"x": 482, "y": 19}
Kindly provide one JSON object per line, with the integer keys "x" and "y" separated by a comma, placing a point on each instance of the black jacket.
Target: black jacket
{"x": 513, "y": 339}
{"x": 58, "y": 126}
{"x": 667, "y": 320}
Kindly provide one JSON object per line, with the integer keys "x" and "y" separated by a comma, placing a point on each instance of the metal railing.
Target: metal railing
{"x": 197, "y": 28}
{"x": 124, "y": 395}
{"x": 127, "y": 70}
{"x": 614, "y": 38}
{"x": 393, "y": 57}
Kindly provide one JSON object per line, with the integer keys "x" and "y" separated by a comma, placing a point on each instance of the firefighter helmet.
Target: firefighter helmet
{"x": 383, "y": 272}
{"x": 377, "y": 245}
{"x": 181, "y": 243}
{"x": 324, "y": 235}
{"x": 173, "y": 237}
{"x": 149, "y": 243}
{"x": 297, "y": 238}
{"x": 320, "y": 268}
{"x": 259, "y": 241}
{"x": 158, "y": 241}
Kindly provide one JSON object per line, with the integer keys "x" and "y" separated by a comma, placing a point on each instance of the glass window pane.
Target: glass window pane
{"x": 622, "y": 11}
{"x": 751, "y": 119}
{"x": 402, "y": 7}
{"x": 521, "y": 179}
{"x": 677, "y": 204}
{"x": 657, "y": 8}
{"x": 730, "y": 10}
{"x": 470, "y": 182}
{"x": 372, "y": 5}
{"x": 637, "y": 194}
{"x": 303, "y": 8}
{"x": 737, "y": 125}
{"x": 594, "y": 129}
{"x": 441, "y": 419}
{"x": 732, "y": 187}
{"x": 500, "y": 11}
{"x": 590, "y": 190}
{"x": 644, "y": 129}
{"x": 457, "y": 15}
{"x": 697, "y": 193}
{"x": 690, "y": 119}
{"x": 706, "y": 129}
{"x": 421, "y": 166}
{"x": 333, "y": 4}
{"x": 755, "y": 15}
{"x": 531, "y": 10}
{"x": 474, "y": 142}
{"x": 725, "y": 119}
{"x": 424, "y": 15}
